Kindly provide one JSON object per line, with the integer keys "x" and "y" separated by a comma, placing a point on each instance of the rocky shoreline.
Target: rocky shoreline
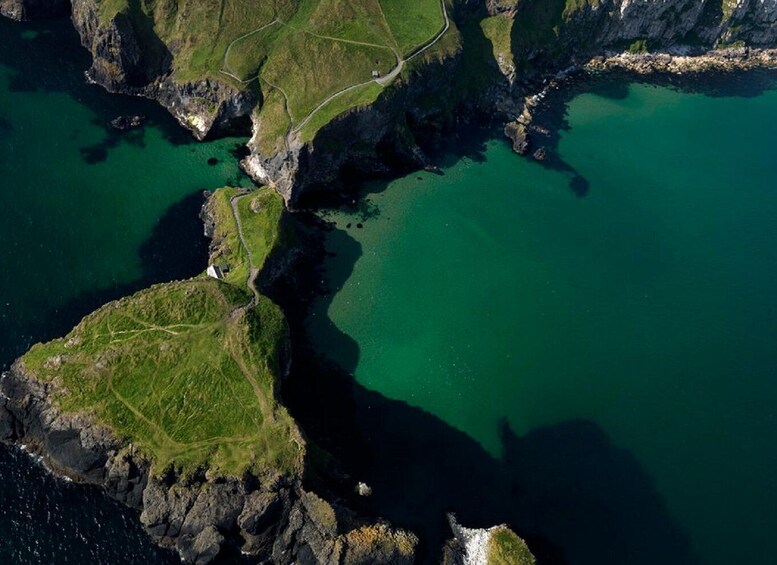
{"x": 681, "y": 61}
{"x": 529, "y": 132}
{"x": 394, "y": 133}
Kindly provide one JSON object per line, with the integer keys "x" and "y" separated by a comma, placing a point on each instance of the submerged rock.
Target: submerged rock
{"x": 123, "y": 123}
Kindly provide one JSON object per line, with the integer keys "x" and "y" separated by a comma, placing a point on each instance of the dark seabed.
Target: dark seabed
{"x": 87, "y": 214}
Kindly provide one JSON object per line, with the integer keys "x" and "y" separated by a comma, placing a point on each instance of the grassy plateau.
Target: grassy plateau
{"x": 186, "y": 372}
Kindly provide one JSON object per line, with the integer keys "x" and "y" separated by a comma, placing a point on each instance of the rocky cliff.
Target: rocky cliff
{"x": 201, "y": 517}
{"x": 383, "y": 137}
{"x": 542, "y": 37}
{"x": 497, "y": 545}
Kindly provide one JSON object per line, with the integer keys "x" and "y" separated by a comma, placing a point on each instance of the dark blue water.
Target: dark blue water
{"x": 47, "y": 520}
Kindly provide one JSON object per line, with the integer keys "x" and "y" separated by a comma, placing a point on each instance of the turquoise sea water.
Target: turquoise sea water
{"x": 612, "y": 358}
{"x": 87, "y": 215}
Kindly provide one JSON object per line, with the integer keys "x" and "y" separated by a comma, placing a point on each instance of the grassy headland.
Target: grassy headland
{"x": 186, "y": 372}
{"x": 303, "y": 53}
{"x": 506, "y": 548}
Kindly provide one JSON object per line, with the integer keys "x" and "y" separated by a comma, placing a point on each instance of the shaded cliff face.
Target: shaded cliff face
{"x": 550, "y": 31}
{"x": 545, "y": 36}
{"x": 385, "y": 137}
{"x": 129, "y": 57}
{"x": 709, "y": 22}
{"x": 541, "y": 37}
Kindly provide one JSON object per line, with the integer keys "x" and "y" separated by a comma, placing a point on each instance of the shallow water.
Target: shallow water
{"x": 87, "y": 214}
{"x": 598, "y": 367}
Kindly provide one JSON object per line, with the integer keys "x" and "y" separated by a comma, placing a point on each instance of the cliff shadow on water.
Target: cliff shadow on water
{"x": 47, "y": 55}
{"x": 176, "y": 249}
{"x": 549, "y": 118}
{"x": 575, "y": 497}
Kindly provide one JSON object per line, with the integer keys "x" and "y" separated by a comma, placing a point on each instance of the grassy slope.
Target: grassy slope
{"x": 313, "y": 49}
{"x": 182, "y": 370}
{"x": 506, "y": 548}
{"x": 412, "y": 22}
{"x": 497, "y": 29}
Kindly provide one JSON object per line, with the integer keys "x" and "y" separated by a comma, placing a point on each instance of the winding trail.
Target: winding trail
{"x": 387, "y": 79}
{"x": 253, "y": 271}
{"x": 229, "y": 71}
{"x": 437, "y": 37}
{"x": 382, "y": 81}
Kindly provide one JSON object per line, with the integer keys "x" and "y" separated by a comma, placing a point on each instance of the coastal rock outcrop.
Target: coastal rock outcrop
{"x": 497, "y": 545}
{"x": 200, "y": 517}
{"x": 373, "y": 140}
{"x": 226, "y": 484}
{"x": 128, "y": 57}
{"x": 387, "y": 135}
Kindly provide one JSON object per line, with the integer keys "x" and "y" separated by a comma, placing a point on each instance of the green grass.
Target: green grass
{"x": 260, "y": 215}
{"x": 638, "y": 46}
{"x": 362, "y": 96}
{"x": 273, "y": 123}
{"x": 321, "y": 67}
{"x": 229, "y": 250}
{"x": 413, "y": 22}
{"x": 315, "y": 48}
{"x": 498, "y": 29}
{"x": 506, "y": 548}
{"x": 184, "y": 371}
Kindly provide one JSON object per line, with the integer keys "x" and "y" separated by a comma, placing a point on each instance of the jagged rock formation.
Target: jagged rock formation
{"x": 226, "y": 486}
{"x": 373, "y": 141}
{"x": 202, "y": 516}
{"x": 128, "y": 57}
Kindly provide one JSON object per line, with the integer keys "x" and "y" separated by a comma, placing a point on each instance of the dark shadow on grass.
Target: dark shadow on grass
{"x": 576, "y": 497}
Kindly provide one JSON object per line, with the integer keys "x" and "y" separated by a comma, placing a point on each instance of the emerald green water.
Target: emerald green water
{"x": 628, "y": 338}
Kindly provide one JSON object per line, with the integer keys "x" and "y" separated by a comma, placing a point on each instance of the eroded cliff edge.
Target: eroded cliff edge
{"x": 483, "y": 65}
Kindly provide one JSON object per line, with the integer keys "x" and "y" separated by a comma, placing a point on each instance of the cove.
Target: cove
{"x": 599, "y": 370}
{"x": 87, "y": 215}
